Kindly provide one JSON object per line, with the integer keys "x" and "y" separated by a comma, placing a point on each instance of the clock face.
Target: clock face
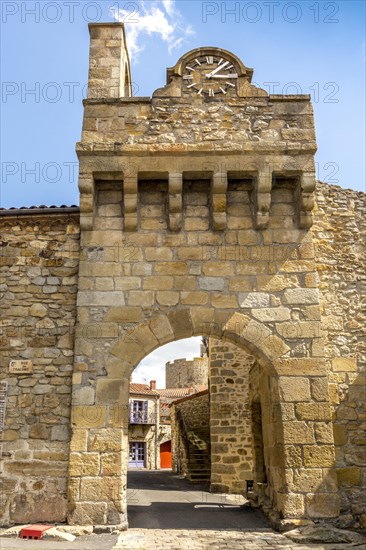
{"x": 210, "y": 75}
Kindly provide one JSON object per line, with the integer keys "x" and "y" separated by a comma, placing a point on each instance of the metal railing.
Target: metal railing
{"x": 142, "y": 417}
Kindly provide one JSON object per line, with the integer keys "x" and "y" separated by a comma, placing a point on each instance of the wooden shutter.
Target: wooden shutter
{"x": 145, "y": 410}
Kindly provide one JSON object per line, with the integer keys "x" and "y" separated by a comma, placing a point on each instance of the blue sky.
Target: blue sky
{"x": 318, "y": 46}
{"x": 312, "y": 47}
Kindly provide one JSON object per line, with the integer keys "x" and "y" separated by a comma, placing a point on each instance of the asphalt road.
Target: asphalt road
{"x": 161, "y": 500}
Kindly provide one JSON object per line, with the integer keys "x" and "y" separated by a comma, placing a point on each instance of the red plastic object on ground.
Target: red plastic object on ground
{"x": 34, "y": 532}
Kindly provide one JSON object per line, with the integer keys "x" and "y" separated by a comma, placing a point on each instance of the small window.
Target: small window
{"x": 138, "y": 412}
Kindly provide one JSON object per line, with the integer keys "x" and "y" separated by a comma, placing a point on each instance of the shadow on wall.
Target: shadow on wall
{"x": 349, "y": 407}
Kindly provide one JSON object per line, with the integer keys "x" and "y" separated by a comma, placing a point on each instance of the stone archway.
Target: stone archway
{"x": 99, "y": 444}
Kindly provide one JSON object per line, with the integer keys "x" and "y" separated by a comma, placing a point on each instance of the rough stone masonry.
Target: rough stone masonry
{"x": 199, "y": 215}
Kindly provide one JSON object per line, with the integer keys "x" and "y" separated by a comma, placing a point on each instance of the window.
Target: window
{"x": 138, "y": 412}
{"x": 137, "y": 455}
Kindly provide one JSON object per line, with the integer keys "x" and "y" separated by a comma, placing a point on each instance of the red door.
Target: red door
{"x": 166, "y": 455}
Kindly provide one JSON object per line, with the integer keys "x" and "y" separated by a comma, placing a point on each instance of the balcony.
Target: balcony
{"x": 142, "y": 417}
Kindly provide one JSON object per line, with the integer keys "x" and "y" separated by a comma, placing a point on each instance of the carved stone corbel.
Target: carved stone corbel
{"x": 175, "y": 201}
{"x": 218, "y": 196}
{"x": 130, "y": 202}
{"x": 263, "y": 198}
{"x": 87, "y": 201}
{"x": 306, "y": 200}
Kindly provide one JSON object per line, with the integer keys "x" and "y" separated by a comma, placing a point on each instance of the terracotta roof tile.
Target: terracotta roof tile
{"x": 142, "y": 389}
{"x": 42, "y": 206}
{"x": 177, "y": 393}
{"x": 192, "y": 396}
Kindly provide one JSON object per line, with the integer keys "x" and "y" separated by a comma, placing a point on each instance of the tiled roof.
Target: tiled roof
{"x": 168, "y": 394}
{"x": 193, "y": 396}
{"x": 177, "y": 393}
{"x": 142, "y": 389}
{"x": 35, "y": 209}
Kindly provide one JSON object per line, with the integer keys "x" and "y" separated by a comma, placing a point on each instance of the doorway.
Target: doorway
{"x": 166, "y": 455}
{"x": 137, "y": 455}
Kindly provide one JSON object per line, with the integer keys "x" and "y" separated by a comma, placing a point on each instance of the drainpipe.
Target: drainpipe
{"x": 156, "y": 430}
{"x": 153, "y": 388}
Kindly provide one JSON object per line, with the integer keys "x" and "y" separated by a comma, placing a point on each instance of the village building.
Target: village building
{"x": 144, "y": 426}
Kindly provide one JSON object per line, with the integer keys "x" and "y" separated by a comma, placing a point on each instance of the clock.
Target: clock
{"x": 210, "y": 75}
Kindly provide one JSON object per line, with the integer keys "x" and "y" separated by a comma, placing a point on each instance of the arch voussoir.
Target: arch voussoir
{"x": 162, "y": 329}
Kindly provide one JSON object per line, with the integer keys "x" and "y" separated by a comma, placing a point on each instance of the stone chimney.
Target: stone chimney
{"x": 152, "y": 384}
{"x": 109, "y": 63}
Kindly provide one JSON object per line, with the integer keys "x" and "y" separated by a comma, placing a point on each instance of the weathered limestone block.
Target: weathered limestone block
{"x": 106, "y": 439}
{"x": 88, "y": 513}
{"x": 322, "y": 505}
{"x": 290, "y": 505}
{"x": 299, "y": 432}
{"x": 294, "y": 388}
{"x": 314, "y": 411}
{"x": 319, "y": 456}
{"x": 84, "y": 464}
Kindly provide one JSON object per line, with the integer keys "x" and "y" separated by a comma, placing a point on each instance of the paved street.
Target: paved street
{"x": 162, "y": 500}
{"x": 169, "y": 513}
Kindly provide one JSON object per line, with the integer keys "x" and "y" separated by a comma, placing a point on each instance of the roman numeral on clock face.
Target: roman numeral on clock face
{"x": 210, "y": 76}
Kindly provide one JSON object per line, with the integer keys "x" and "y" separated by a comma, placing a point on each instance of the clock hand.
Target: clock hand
{"x": 232, "y": 75}
{"x": 209, "y": 75}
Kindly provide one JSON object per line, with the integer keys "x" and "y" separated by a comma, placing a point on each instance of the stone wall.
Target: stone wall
{"x": 185, "y": 374}
{"x": 340, "y": 240}
{"x": 190, "y": 426}
{"x": 230, "y": 417}
{"x": 38, "y": 278}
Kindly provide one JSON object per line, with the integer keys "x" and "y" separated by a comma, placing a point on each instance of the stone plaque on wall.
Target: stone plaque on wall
{"x": 20, "y": 367}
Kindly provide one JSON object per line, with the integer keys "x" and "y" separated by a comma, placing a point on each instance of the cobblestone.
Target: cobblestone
{"x": 182, "y": 539}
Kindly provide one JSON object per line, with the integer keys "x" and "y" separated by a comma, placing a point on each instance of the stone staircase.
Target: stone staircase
{"x": 199, "y": 463}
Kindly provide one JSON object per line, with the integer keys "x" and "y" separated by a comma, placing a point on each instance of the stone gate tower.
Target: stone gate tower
{"x": 195, "y": 211}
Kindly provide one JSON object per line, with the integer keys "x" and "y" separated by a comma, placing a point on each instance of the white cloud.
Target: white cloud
{"x": 169, "y": 7}
{"x": 153, "y": 366}
{"x": 154, "y": 17}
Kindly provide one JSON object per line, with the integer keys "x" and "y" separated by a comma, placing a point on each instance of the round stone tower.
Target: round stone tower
{"x": 182, "y": 373}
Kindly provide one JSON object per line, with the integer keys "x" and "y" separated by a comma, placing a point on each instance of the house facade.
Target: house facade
{"x": 144, "y": 426}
